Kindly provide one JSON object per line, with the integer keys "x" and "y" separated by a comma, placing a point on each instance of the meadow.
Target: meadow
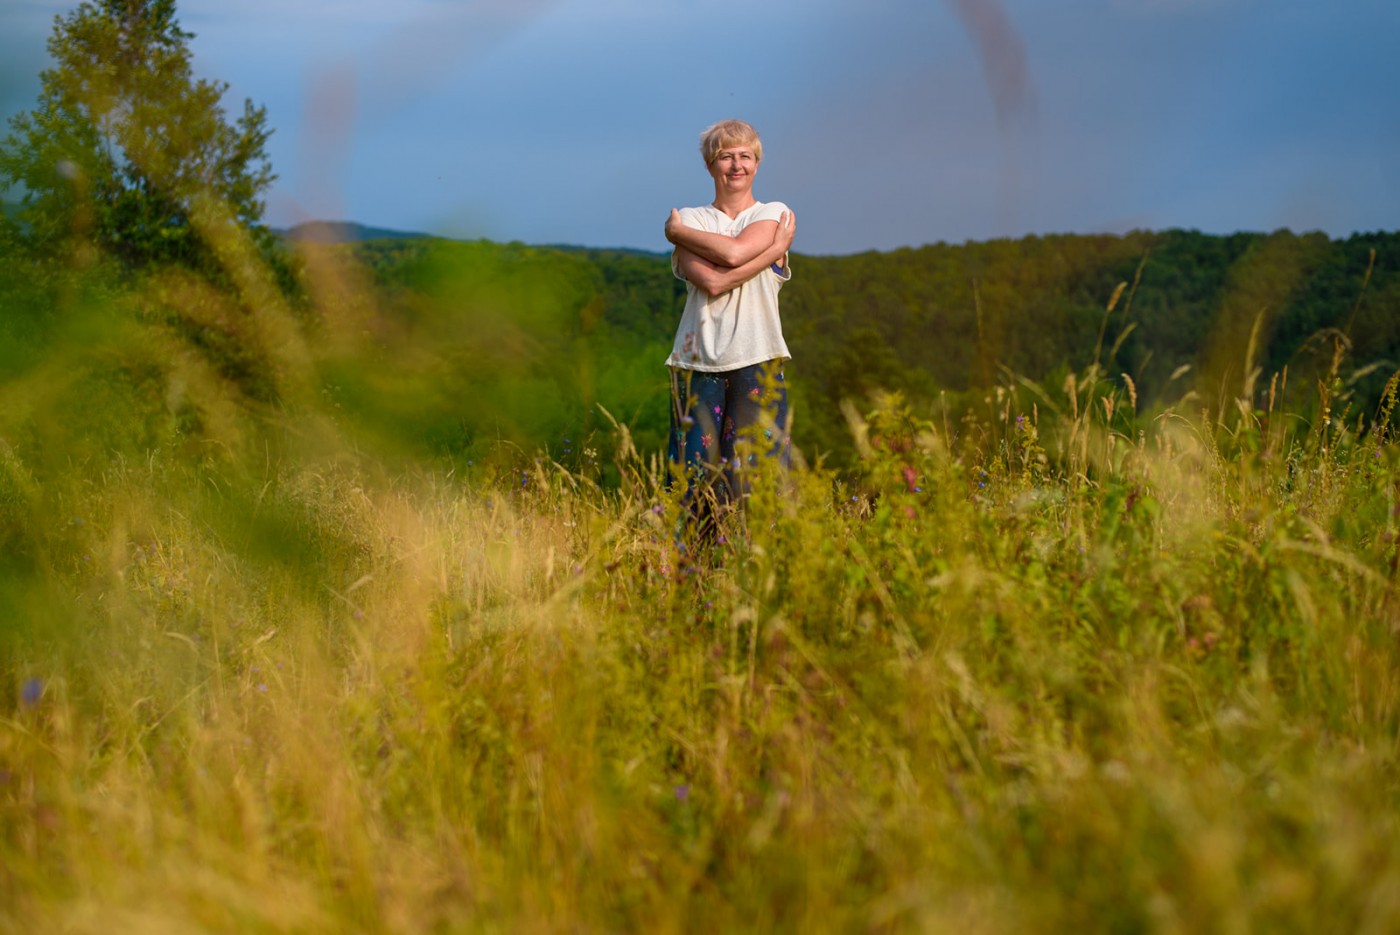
{"x": 1044, "y": 662}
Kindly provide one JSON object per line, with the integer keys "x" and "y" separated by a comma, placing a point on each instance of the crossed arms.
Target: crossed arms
{"x": 717, "y": 263}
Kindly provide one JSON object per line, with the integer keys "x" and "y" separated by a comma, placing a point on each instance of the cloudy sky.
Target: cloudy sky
{"x": 886, "y": 123}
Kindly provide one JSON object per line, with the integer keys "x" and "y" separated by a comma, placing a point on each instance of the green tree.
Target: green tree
{"x": 129, "y": 152}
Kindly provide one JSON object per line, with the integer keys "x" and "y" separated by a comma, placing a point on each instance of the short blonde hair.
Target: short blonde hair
{"x": 728, "y": 133}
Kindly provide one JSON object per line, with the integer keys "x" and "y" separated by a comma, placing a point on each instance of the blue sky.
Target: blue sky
{"x": 886, "y": 123}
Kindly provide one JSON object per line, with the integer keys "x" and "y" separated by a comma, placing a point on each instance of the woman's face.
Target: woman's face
{"x": 734, "y": 168}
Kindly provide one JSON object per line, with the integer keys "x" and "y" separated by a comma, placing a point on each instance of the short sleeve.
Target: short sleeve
{"x": 691, "y": 218}
{"x": 771, "y": 211}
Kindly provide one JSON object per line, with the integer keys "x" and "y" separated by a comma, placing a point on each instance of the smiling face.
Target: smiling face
{"x": 734, "y": 168}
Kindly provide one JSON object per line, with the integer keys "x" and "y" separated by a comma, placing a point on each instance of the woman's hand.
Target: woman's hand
{"x": 787, "y": 229}
{"x": 674, "y": 225}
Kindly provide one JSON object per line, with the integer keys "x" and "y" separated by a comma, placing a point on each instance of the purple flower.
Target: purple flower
{"x": 32, "y": 691}
{"x": 682, "y": 793}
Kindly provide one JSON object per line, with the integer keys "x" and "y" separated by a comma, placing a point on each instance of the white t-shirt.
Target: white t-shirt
{"x": 740, "y": 327}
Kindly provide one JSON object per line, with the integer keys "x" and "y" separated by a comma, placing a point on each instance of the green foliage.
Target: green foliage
{"x": 476, "y": 344}
{"x": 1153, "y": 318}
{"x": 944, "y": 324}
{"x": 127, "y": 152}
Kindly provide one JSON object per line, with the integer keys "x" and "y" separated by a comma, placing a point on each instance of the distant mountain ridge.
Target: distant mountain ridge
{"x": 345, "y": 232}
{"x": 335, "y": 232}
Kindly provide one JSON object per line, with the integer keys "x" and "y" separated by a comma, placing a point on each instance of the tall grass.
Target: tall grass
{"x": 1058, "y": 665}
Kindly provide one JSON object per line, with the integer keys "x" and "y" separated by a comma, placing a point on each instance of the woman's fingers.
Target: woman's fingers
{"x": 787, "y": 227}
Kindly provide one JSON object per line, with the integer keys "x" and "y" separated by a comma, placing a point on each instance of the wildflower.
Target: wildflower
{"x": 32, "y": 691}
{"x": 682, "y": 793}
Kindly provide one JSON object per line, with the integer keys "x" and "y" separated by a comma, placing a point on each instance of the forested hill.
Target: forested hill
{"x": 939, "y": 323}
{"x": 962, "y": 317}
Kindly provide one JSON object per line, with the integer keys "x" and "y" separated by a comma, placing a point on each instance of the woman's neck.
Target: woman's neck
{"x": 732, "y": 204}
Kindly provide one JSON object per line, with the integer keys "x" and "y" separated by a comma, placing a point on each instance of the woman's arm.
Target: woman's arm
{"x": 715, "y": 279}
{"x": 721, "y": 248}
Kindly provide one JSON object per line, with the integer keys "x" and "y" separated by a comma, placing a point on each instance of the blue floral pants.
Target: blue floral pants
{"x": 722, "y": 423}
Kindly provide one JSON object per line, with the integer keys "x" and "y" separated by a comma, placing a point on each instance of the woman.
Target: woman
{"x": 727, "y": 391}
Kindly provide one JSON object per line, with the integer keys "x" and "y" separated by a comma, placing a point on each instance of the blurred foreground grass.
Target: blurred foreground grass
{"x": 1061, "y": 666}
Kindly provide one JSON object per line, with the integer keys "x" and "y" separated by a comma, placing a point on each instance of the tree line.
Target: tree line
{"x": 943, "y": 324}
